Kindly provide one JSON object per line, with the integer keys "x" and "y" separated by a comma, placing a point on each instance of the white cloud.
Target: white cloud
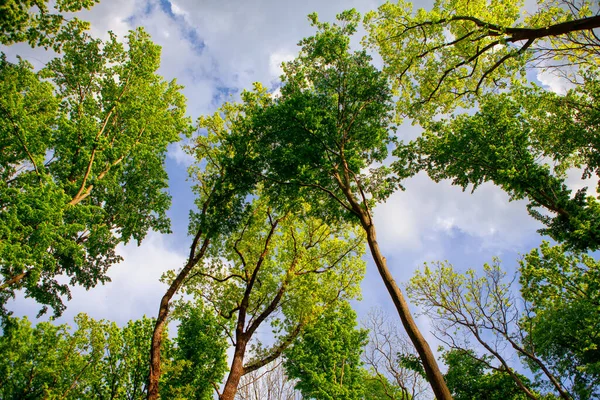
{"x": 427, "y": 212}
{"x": 135, "y": 289}
{"x": 554, "y": 82}
{"x": 178, "y": 10}
{"x": 176, "y": 152}
{"x": 275, "y": 61}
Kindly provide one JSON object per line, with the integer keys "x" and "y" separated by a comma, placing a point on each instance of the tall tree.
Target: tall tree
{"x": 487, "y": 308}
{"x": 563, "y": 316}
{"x": 443, "y": 58}
{"x": 324, "y": 141}
{"x": 220, "y": 207}
{"x": 471, "y": 378}
{"x": 99, "y": 360}
{"x": 279, "y": 270}
{"x": 84, "y": 142}
{"x": 196, "y": 360}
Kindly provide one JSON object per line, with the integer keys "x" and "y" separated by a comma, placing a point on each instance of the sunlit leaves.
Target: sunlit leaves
{"x": 83, "y": 170}
{"x": 443, "y": 58}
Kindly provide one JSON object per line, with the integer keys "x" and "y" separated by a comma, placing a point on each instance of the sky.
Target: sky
{"x": 217, "y": 48}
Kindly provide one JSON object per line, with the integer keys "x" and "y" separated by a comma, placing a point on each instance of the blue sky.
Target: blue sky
{"x": 218, "y": 48}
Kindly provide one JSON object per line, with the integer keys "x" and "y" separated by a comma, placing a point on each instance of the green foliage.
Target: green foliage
{"x": 563, "y": 291}
{"x": 82, "y": 167}
{"x": 97, "y": 360}
{"x": 30, "y": 21}
{"x": 277, "y": 269}
{"x": 553, "y": 327}
{"x": 198, "y": 361}
{"x": 326, "y": 357}
{"x": 443, "y": 58}
{"x": 469, "y": 378}
{"x": 330, "y": 128}
{"x": 522, "y": 141}
{"x": 378, "y": 387}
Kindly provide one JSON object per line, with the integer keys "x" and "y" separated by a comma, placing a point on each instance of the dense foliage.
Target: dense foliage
{"x": 98, "y": 359}
{"x": 326, "y": 357}
{"x": 83, "y": 147}
{"x": 286, "y": 188}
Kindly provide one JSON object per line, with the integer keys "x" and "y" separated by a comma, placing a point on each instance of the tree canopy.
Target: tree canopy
{"x": 97, "y": 359}
{"x": 443, "y": 58}
{"x": 275, "y": 269}
{"x": 551, "y": 326}
{"x": 324, "y": 140}
{"x": 31, "y": 21}
{"x": 524, "y": 142}
{"x": 325, "y": 359}
{"x": 84, "y": 142}
{"x": 286, "y": 187}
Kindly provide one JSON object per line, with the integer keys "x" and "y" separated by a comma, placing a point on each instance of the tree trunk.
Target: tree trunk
{"x": 432, "y": 371}
{"x": 577, "y": 25}
{"x": 163, "y": 313}
{"x": 236, "y": 372}
{"x": 434, "y": 375}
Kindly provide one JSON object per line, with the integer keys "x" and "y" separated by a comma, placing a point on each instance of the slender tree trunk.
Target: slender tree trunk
{"x": 236, "y": 372}
{"x": 163, "y": 313}
{"x": 432, "y": 371}
{"x": 434, "y": 375}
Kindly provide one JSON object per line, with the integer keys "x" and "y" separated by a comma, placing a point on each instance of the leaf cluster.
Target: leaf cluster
{"x": 84, "y": 142}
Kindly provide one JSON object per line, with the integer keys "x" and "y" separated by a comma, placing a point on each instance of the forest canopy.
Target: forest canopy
{"x": 292, "y": 187}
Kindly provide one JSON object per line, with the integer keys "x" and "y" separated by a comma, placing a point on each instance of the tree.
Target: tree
{"x": 198, "y": 360}
{"x": 470, "y": 378}
{"x": 84, "y": 142}
{"x": 221, "y": 205}
{"x": 378, "y": 387}
{"x": 275, "y": 269}
{"x": 444, "y": 58}
{"x": 561, "y": 289}
{"x": 524, "y": 142}
{"x": 268, "y": 383}
{"x": 30, "y": 21}
{"x": 324, "y": 141}
{"x": 325, "y": 358}
{"x": 383, "y": 356}
{"x": 487, "y": 310}
{"x": 97, "y": 360}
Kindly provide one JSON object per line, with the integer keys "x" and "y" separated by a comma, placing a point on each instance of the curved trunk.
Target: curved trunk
{"x": 432, "y": 371}
{"x": 163, "y": 313}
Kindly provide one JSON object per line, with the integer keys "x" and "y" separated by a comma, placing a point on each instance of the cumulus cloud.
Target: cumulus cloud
{"x": 551, "y": 80}
{"x": 410, "y": 219}
{"x": 135, "y": 289}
